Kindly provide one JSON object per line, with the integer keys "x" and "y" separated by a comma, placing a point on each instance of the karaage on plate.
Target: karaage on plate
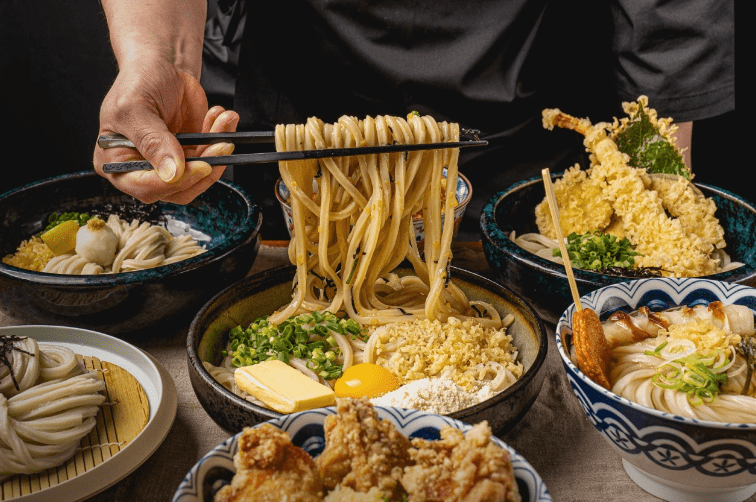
{"x": 460, "y": 468}
{"x": 269, "y": 468}
{"x": 362, "y": 451}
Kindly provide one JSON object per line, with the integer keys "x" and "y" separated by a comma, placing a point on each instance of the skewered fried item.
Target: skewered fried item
{"x": 591, "y": 347}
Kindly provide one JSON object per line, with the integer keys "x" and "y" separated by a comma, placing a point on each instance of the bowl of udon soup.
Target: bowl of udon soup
{"x": 112, "y": 263}
{"x": 523, "y": 259}
{"x": 677, "y": 396}
{"x": 463, "y": 196}
{"x": 500, "y": 391}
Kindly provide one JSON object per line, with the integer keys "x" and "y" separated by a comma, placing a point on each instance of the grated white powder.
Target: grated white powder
{"x": 435, "y": 395}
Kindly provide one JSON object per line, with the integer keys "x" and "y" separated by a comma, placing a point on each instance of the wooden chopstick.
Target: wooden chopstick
{"x": 554, "y": 209}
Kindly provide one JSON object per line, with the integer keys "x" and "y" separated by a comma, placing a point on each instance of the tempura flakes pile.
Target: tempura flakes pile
{"x": 673, "y": 227}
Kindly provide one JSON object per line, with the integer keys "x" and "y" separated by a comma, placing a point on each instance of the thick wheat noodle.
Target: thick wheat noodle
{"x": 140, "y": 246}
{"x": 42, "y": 423}
{"x": 631, "y": 378}
{"x": 356, "y": 225}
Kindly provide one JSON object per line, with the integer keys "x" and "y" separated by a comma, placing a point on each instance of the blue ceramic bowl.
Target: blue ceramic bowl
{"x": 263, "y": 293}
{"x": 117, "y": 303}
{"x": 544, "y": 283}
{"x": 671, "y": 457}
{"x": 306, "y": 431}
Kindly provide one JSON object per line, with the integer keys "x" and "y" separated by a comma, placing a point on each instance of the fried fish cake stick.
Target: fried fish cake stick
{"x": 591, "y": 347}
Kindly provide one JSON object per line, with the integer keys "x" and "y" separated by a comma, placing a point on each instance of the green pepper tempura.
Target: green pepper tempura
{"x": 311, "y": 337}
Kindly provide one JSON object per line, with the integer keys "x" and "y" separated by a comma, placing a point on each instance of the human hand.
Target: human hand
{"x": 148, "y": 106}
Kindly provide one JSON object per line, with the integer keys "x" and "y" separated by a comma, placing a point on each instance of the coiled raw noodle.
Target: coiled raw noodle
{"x": 356, "y": 227}
{"x": 140, "y": 246}
{"x": 48, "y": 403}
{"x": 631, "y": 377}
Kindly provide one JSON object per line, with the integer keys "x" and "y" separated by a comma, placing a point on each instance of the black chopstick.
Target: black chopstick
{"x": 260, "y": 158}
{"x": 208, "y": 138}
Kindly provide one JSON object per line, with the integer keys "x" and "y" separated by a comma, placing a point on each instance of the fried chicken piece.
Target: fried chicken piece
{"x": 269, "y": 468}
{"x": 460, "y": 468}
{"x": 362, "y": 451}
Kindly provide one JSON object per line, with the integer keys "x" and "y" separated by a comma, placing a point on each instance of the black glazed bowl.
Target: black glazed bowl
{"x": 544, "y": 283}
{"x": 125, "y": 302}
{"x": 265, "y": 292}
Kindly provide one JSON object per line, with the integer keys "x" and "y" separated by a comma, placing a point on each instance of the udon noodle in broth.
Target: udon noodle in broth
{"x": 689, "y": 363}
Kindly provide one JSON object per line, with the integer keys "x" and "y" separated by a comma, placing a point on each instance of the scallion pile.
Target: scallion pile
{"x": 310, "y": 337}
{"x": 699, "y": 375}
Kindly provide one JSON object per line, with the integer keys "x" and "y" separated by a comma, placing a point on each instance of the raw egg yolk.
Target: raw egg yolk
{"x": 365, "y": 379}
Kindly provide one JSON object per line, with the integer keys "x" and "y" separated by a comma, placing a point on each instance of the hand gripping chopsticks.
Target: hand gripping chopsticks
{"x": 115, "y": 141}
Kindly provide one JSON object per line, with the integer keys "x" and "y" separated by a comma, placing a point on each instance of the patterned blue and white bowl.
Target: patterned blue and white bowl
{"x": 671, "y": 457}
{"x": 306, "y": 431}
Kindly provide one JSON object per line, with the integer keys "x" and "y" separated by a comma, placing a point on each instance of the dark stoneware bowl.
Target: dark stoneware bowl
{"x": 544, "y": 283}
{"x": 263, "y": 293}
{"x": 124, "y": 302}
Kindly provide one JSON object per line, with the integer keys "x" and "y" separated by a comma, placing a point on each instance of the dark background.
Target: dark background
{"x": 56, "y": 66}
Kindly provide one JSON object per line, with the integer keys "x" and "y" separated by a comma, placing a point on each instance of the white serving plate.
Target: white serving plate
{"x": 151, "y": 375}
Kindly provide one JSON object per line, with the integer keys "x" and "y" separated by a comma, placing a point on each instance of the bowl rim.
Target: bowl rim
{"x": 494, "y": 236}
{"x": 463, "y": 203}
{"x": 193, "y": 339}
{"x": 565, "y": 322}
{"x": 245, "y": 232}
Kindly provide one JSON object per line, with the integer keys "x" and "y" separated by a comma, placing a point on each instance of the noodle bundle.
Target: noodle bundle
{"x": 355, "y": 227}
{"x": 48, "y": 403}
{"x": 140, "y": 246}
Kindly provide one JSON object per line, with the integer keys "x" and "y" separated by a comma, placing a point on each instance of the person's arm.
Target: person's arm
{"x": 158, "y": 47}
{"x": 683, "y": 139}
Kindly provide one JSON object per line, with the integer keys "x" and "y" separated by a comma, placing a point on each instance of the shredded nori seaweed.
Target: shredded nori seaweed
{"x": 6, "y": 346}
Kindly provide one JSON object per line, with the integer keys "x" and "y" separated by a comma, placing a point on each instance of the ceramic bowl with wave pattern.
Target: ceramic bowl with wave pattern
{"x": 306, "y": 431}
{"x": 672, "y": 457}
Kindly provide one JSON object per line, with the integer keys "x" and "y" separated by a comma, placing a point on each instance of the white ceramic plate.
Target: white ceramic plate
{"x": 306, "y": 431}
{"x": 151, "y": 375}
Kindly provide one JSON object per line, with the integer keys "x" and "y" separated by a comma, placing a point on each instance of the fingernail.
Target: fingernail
{"x": 228, "y": 149}
{"x": 167, "y": 169}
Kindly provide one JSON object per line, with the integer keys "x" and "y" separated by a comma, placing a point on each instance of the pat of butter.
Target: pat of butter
{"x": 283, "y": 388}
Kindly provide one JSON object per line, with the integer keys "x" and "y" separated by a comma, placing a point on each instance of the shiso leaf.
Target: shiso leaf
{"x": 648, "y": 148}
